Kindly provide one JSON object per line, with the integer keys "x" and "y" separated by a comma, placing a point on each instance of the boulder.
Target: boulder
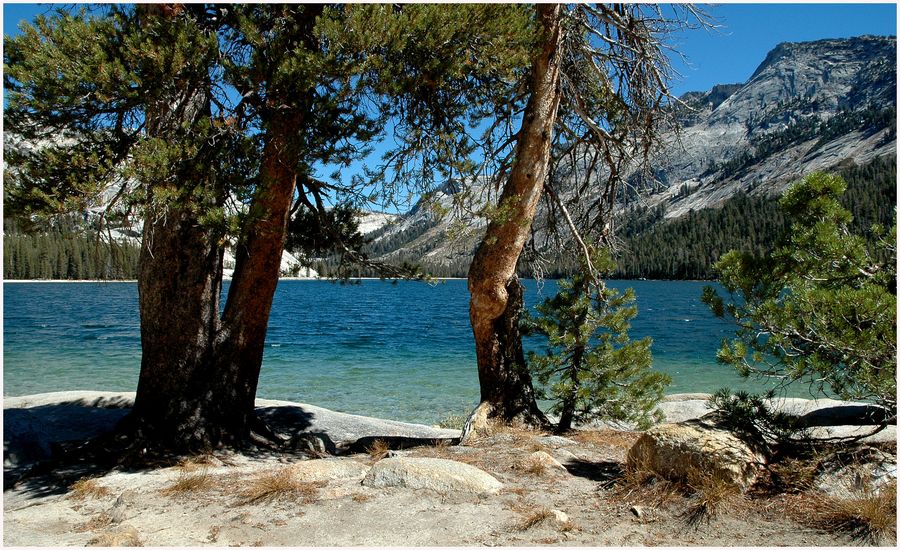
{"x": 436, "y": 474}
{"x": 343, "y": 429}
{"x": 680, "y": 451}
{"x": 846, "y": 414}
{"x": 328, "y": 469}
{"x": 24, "y": 439}
{"x": 33, "y": 424}
{"x": 684, "y": 406}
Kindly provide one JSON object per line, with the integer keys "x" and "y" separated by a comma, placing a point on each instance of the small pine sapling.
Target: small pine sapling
{"x": 591, "y": 369}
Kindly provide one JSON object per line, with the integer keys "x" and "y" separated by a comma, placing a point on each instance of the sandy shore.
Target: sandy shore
{"x": 332, "y": 500}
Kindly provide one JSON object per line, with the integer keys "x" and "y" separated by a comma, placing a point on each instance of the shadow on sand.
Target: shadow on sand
{"x": 47, "y": 448}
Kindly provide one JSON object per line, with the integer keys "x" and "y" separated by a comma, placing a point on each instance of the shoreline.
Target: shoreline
{"x": 692, "y": 398}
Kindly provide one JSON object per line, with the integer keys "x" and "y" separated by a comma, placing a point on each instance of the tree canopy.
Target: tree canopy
{"x": 212, "y": 124}
{"x": 822, "y": 307}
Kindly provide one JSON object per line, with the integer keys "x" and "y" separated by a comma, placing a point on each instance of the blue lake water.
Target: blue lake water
{"x": 402, "y": 351}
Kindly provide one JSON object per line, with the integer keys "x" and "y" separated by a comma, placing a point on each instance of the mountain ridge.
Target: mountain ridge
{"x": 808, "y": 106}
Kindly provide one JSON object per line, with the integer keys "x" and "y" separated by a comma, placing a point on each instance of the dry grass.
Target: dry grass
{"x": 523, "y": 434}
{"x": 362, "y": 497}
{"x": 439, "y": 450}
{"x": 97, "y": 522}
{"x": 870, "y": 517}
{"x": 532, "y": 466}
{"x": 378, "y": 449}
{"x": 567, "y": 526}
{"x": 87, "y": 487}
{"x": 198, "y": 461}
{"x": 792, "y": 476}
{"x": 518, "y": 491}
{"x": 711, "y": 497}
{"x": 123, "y": 537}
{"x": 535, "y": 447}
{"x": 640, "y": 483}
{"x": 280, "y": 485}
{"x": 533, "y": 518}
{"x": 189, "y": 481}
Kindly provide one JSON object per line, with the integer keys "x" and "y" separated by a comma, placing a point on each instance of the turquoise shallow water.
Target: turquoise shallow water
{"x": 402, "y": 351}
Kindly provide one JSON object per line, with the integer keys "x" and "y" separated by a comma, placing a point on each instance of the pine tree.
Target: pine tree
{"x": 574, "y": 121}
{"x": 215, "y": 119}
{"x": 821, "y": 308}
{"x": 591, "y": 369}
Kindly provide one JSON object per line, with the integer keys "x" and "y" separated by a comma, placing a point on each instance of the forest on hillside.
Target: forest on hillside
{"x": 683, "y": 248}
{"x": 686, "y": 247}
{"x": 66, "y": 251}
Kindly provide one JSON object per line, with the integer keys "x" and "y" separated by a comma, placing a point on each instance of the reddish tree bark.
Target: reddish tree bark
{"x": 496, "y": 294}
{"x": 199, "y": 370}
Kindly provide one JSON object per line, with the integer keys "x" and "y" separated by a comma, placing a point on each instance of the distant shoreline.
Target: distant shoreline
{"x": 224, "y": 279}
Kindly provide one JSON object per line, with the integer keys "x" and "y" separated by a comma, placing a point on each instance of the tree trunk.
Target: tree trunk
{"x": 179, "y": 283}
{"x": 496, "y": 294}
{"x": 567, "y": 414}
{"x": 240, "y": 344}
{"x": 241, "y": 340}
{"x": 200, "y": 370}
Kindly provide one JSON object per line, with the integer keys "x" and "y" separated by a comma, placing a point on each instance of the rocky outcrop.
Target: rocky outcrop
{"x": 823, "y": 418}
{"x": 436, "y": 474}
{"x": 693, "y": 441}
{"x": 854, "y": 472}
{"x": 33, "y": 424}
{"x": 684, "y": 451}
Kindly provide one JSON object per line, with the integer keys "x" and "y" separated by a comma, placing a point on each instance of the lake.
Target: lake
{"x": 401, "y": 350}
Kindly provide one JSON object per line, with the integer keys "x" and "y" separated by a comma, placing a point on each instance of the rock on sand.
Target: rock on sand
{"x": 437, "y": 474}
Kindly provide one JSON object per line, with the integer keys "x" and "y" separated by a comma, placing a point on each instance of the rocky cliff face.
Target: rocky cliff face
{"x": 809, "y": 106}
{"x": 795, "y": 115}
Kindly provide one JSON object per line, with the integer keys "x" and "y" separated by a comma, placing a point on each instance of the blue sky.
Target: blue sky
{"x": 750, "y": 31}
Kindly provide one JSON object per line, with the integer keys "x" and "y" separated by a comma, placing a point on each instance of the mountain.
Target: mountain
{"x": 808, "y": 106}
